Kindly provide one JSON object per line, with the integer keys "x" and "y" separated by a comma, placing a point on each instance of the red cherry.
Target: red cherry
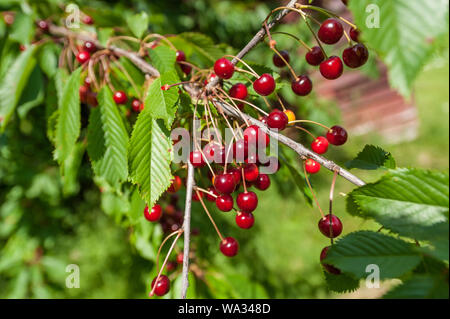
{"x": 240, "y": 150}
{"x": 154, "y": 214}
{"x": 196, "y": 196}
{"x": 302, "y": 86}
{"x": 277, "y": 120}
{"x": 88, "y": 20}
{"x": 239, "y": 91}
{"x": 251, "y": 172}
{"x": 265, "y": 85}
{"x": 176, "y": 184}
{"x": 43, "y": 25}
{"x": 237, "y": 174}
{"x": 331, "y": 31}
{"x": 331, "y": 269}
{"x": 256, "y": 137}
{"x": 229, "y": 246}
{"x": 224, "y": 68}
{"x": 320, "y": 145}
{"x": 196, "y": 159}
{"x": 210, "y": 197}
{"x": 180, "y": 56}
{"x": 224, "y": 154}
{"x": 262, "y": 182}
{"x": 332, "y": 68}
{"x": 247, "y": 201}
{"x": 210, "y": 78}
{"x": 245, "y": 220}
{"x": 83, "y": 57}
{"x": 355, "y": 56}
{"x": 330, "y": 226}
{"x": 315, "y": 56}
{"x": 278, "y": 61}
{"x": 87, "y": 82}
{"x": 142, "y": 106}
{"x": 171, "y": 265}
{"x": 89, "y": 46}
{"x": 224, "y": 183}
{"x": 136, "y": 105}
{"x": 83, "y": 93}
{"x": 162, "y": 286}
{"x": 337, "y": 135}
{"x": 354, "y": 34}
{"x": 311, "y": 166}
{"x": 120, "y": 97}
{"x": 186, "y": 68}
{"x": 224, "y": 203}
{"x": 180, "y": 258}
{"x": 209, "y": 150}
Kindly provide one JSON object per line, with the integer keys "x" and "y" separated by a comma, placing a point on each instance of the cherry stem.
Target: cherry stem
{"x": 305, "y": 130}
{"x": 209, "y": 215}
{"x": 294, "y": 37}
{"x": 252, "y": 105}
{"x": 309, "y": 121}
{"x": 234, "y": 104}
{"x": 127, "y": 75}
{"x": 313, "y": 33}
{"x": 286, "y": 62}
{"x": 205, "y": 191}
{"x": 348, "y": 38}
{"x": 326, "y": 12}
{"x": 160, "y": 37}
{"x": 121, "y": 37}
{"x": 312, "y": 191}
{"x": 333, "y": 183}
{"x": 243, "y": 180}
{"x": 206, "y": 101}
{"x": 281, "y": 102}
{"x": 244, "y": 63}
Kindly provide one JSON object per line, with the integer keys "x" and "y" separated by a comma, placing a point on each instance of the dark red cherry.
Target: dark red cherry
{"x": 330, "y": 226}
{"x": 237, "y": 174}
{"x": 154, "y": 214}
{"x": 302, "y": 86}
{"x": 355, "y": 56}
{"x": 251, "y": 172}
{"x": 83, "y": 57}
{"x": 224, "y": 68}
{"x": 240, "y": 150}
{"x": 176, "y": 184}
{"x": 311, "y": 166}
{"x": 136, "y": 105}
{"x": 89, "y": 46}
{"x": 88, "y": 20}
{"x": 354, "y": 34}
{"x": 162, "y": 286}
{"x": 83, "y": 93}
{"x": 337, "y": 135}
{"x": 120, "y": 97}
{"x": 224, "y": 203}
{"x": 239, "y": 91}
{"x": 180, "y": 56}
{"x": 315, "y": 56}
{"x": 171, "y": 265}
{"x": 186, "y": 68}
{"x": 265, "y": 85}
{"x": 196, "y": 196}
{"x": 245, "y": 220}
{"x": 224, "y": 183}
{"x": 196, "y": 158}
{"x": 331, "y": 269}
{"x": 332, "y": 68}
{"x": 223, "y": 154}
{"x": 320, "y": 145}
{"x": 277, "y": 120}
{"x": 278, "y": 61}
{"x": 210, "y": 197}
{"x": 262, "y": 182}
{"x": 229, "y": 246}
{"x": 247, "y": 201}
{"x": 331, "y": 31}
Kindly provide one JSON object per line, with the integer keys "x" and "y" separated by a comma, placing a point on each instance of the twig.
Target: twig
{"x": 187, "y": 230}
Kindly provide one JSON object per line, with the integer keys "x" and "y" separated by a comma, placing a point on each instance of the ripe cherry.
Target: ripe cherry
{"x": 43, "y": 25}
{"x": 89, "y": 46}
{"x": 83, "y": 57}
{"x": 332, "y": 68}
{"x": 311, "y": 166}
{"x": 251, "y": 172}
{"x": 180, "y": 258}
{"x": 224, "y": 68}
{"x": 88, "y": 20}
{"x": 186, "y": 68}
{"x": 87, "y": 82}
{"x": 354, "y": 34}
{"x": 196, "y": 196}
{"x": 331, "y": 269}
{"x": 337, "y": 135}
{"x": 264, "y": 85}
{"x": 211, "y": 196}
{"x": 240, "y": 150}
{"x": 331, "y": 31}
{"x": 154, "y": 214}
{"x": 196, "y": 158}
{"x": 302, "y": 86}
{"x": 247, "y": 201}
{"x": 262, "y": 182}
{"x": 277, "y": 120}
{"x": 239, "y": 91}
{"x": 210, "y": 78}
{"x": 236, "y": 173}
{"x": 176, "y": 184}
{"x": 83, "y": 93}
{"x": 136, "y": 105}
{"x": 256, "y": 137}
{"x": 224, "y": 183}
{"x": 224, "y": 203}
{"x": 229, "y": 246}
{"x": 355, "y": 56}
{"x": 245, "y": 220}
{"x": 171, "y": 265}
{"x": 330, "y": 226}
{"x": 278, "y": 61}
{"x": 315, "y": 56}
{"x": 120, "y": 97}
{"x": 180, "y": 56}
{"x": 320, "y": 145}
{"x": 162, "y": 286}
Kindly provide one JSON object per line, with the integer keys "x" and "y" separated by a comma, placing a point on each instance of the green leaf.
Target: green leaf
{"x": 138, "y": 23}
{"x": 150, "y": 154}
{"x": 199, "y": 45}
{"x": 163, "y": 104}
{"x": 402, "y": 43}
{"x": 354, "y": 252}
{"x": 410, "y": 202}
{"x": 163, "y": 58}
{"x": 68, "y": 125}
{"x": 13, "y": 84}
{"x": 70, "y": 169}
{"x": 341, "y": 283}
{"x": 22, "y": 28}
{"x": 372, "y": 157}
{"x": 33, "y": 95}
{"x": 108, "y": 140}
{"x": 48, "y": 59}
{"x": 420, "y": 287}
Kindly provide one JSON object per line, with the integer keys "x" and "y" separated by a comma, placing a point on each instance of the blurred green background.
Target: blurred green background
{"x": 279, "y": 257}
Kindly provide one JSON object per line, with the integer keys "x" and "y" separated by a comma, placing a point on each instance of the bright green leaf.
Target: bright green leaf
{"x": 163, "y": 58}
{"x": 372, "y": 157}
{"x": 138, "y": 23}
